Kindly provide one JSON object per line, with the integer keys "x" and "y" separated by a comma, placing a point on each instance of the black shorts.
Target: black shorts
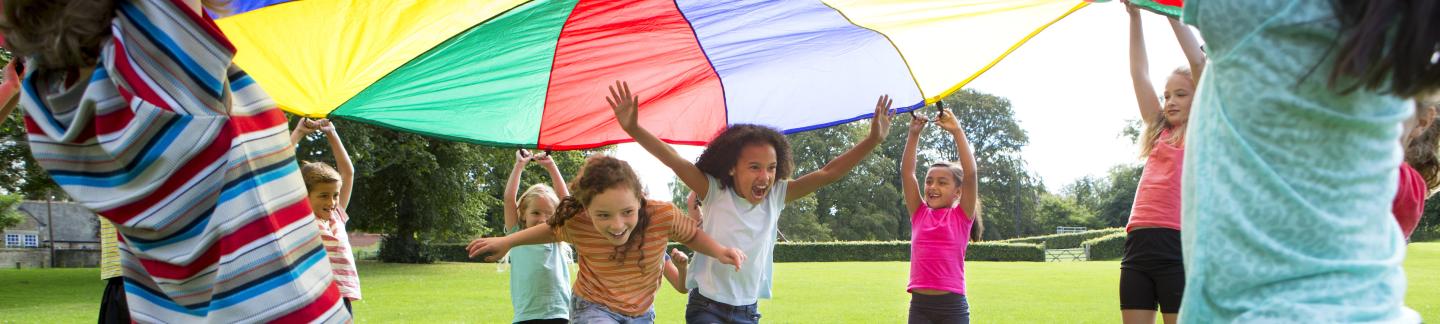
{"x": 1152, "y": 271}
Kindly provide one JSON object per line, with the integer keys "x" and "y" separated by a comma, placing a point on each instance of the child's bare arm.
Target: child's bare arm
{"x": 342, "y": 161}
{"x": 841, "y": 165}
{"x": 908, "y": 183}
{"x": 1149, "y": 103}
{"x": 495, "y": 247}
{"x": 704, "y": 244}
{"x": 626, "y": 106}
{"x": 1191, "y": 46}
{"x": 970, "y": 179}
{"x": 557, "y": 180}
{"x": 512, "y": 187}
{"x": 675, "y": 270}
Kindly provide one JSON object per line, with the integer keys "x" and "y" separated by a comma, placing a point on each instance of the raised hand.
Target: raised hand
{"x": 947, "y": 121}
{"x": 917, "y": 123}
{"x": 625, "y": 104}
{"x": 522, "y": 156}
{"x": 543, "y": 159}
{"x": 880, "y": 125}
{"x": 325, "y": 125}
{"x": 679, "y": 257}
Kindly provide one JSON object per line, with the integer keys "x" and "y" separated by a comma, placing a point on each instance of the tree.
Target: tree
{"x": 19, "y": 174}
{"x": 9, "y": 211}
{"x": 1056, "y": 211}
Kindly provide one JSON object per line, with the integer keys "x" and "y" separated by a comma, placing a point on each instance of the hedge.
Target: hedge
{"x": 1109, "y": 247}
{"x": 832, "y": 251}
{"x": 1067, "y": 240}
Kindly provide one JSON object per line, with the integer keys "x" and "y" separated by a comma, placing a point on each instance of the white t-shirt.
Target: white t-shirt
{"x": 733, "y": 222}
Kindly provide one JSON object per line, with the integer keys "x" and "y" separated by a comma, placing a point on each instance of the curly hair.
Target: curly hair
{"x": 724, "y": 152}
{"x": 1421, "y": 153}
{"x": 602, "y": 173}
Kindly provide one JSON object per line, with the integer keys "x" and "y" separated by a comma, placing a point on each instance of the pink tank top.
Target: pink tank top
{"x": 1409, "y": 199}
{"x": 937, "y": 249}
{"x": 1157, "y": 198}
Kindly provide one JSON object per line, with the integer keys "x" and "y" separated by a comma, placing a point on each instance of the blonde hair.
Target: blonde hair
{"x": 318, "y": 172}
{"x": 1160, "y": 124}
{"x": 535, "y": 191}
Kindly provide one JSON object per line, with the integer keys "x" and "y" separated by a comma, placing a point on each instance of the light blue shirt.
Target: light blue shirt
{"x": 734, "y": 222}
{"x": 539, "y": 281}
{"x": 1287, "y": 184}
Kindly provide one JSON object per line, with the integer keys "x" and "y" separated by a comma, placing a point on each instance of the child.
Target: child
{"x": 1290, "y": 168}
{"x": 1417, "y": 174}
{"x": 540, "y": 281}
{"x": 329, "y": 193}
{"x": 619, "y": 237}
{"x": 742, "y": 179}
{"x": 139, "y": 113}
{"x": 940, "y": 226}
{"x": 1152, "y": 270}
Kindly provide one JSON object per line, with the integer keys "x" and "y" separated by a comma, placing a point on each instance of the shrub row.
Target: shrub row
{"x": 1109, "y": 247}
{"x": 1067, "y": 240}
{"x": 831, "y": 251}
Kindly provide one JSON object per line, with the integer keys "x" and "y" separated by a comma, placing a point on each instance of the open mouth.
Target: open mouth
{"x": 616, "y": 236}
{"x": 758, "y": 191}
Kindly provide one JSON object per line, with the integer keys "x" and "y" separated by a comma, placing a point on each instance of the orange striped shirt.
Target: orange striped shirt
{"x": 626, "y": 286}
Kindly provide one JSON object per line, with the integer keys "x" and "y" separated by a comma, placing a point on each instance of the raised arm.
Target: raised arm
{"x": 342, "y": 161}
{"x": 1191, "y": 46}
{"x": 841, "y": 165}
{"x": 512, "y": 187}
{"x": 970, "y": 179}
{"x": 1149, "y": 103}
{"x": 556, "y": 179}
{"x": 908, "y": 183}
{"x": 495, "y": 247}
{"x": 302, "y": 128}
{"x": 626, "y": 106}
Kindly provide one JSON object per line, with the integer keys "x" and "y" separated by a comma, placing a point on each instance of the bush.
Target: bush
{"x": 1109, "y": 247}
{"x": 449, "y": 252}
{"x": 399, "y": 249}
{"x": 1067, "y": 240}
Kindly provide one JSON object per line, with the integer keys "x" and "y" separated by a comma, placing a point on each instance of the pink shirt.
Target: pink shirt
{"x": 1157, "y": 199}
{"x": 937, "y": 249}
{"x": 1410, "y": 199}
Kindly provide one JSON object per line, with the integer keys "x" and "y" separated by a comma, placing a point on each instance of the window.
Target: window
{"x": 32, "y": 240}
{"x": 12, "y": 240}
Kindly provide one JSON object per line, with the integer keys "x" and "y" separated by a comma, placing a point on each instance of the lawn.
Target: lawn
{"x": 852, "y": 292}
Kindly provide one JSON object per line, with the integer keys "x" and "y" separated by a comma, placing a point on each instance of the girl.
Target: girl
{"x": 742, "y": 180}
{"x": 940, "y": 226}
{"x": 1152, "y": 271}
{"x": 329, "y": 193}
{"x": 620, "y": 238}
{"x": 138, "y": 112}
{"x": 1417, "y": 174}
{"x": 1298, "y": 156}
{"x": 540, "y": 281}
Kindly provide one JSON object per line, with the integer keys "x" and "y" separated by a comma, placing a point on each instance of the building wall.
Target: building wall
{"x": 24, "y": 258}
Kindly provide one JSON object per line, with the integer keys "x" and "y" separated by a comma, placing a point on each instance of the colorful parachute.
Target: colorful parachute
{"x": 534, "y": 73}
{"x": 1165, "y": 7}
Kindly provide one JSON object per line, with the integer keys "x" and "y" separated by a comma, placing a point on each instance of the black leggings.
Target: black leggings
{"x": 112, "y": 304}
{"x": 1152, "y": 271}
{"x": 947, "y": 308}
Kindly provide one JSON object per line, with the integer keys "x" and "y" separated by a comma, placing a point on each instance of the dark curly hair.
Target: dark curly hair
{"x": 602, "y": 173}
{"x": 724, "y": 152}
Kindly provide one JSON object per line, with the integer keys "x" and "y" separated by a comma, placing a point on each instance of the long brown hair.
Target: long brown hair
{"x": 602, "y": 173}
{"x": 1388, "y": 46}
{"x": 1160, "y": 124}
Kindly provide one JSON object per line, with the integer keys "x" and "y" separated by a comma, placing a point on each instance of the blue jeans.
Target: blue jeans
{"x": 583, "y": 311}
{"x": 703, "y": 310}
{"x": 947, "y": 308}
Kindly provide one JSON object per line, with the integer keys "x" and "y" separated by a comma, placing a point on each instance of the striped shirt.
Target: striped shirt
{"x": 627, "y": 285}
{"x": 342, "y": 259}
{"x": 109, "y": 250}
{"x": 177, "y": 146}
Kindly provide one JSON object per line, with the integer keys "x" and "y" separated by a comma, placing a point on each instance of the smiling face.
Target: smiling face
{"x": 615, "y": 213}
{"x": 324, "y": 199}
{"x": 537, "y": 211}
{"x": 1179, "y": 91}
{"x": 754, "y": 171}
{"x": 942, "y": 188}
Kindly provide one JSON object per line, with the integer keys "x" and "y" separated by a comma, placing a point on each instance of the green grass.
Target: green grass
{"x": 863, "y": 292}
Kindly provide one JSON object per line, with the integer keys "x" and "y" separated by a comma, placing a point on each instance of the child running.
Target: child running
{"x": 1418, "y": 173}
{"x": 1293, "y": 150}
{"x": 1152, "y": 270}
{"x": 743, "y": 182}
{"x": 620, "y": 238}
{"x": 940, "y": 226}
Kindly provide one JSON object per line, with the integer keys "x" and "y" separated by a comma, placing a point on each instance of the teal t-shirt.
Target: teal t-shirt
{"x": 1287, "y": 184}
{"x": 539, "y": 280}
